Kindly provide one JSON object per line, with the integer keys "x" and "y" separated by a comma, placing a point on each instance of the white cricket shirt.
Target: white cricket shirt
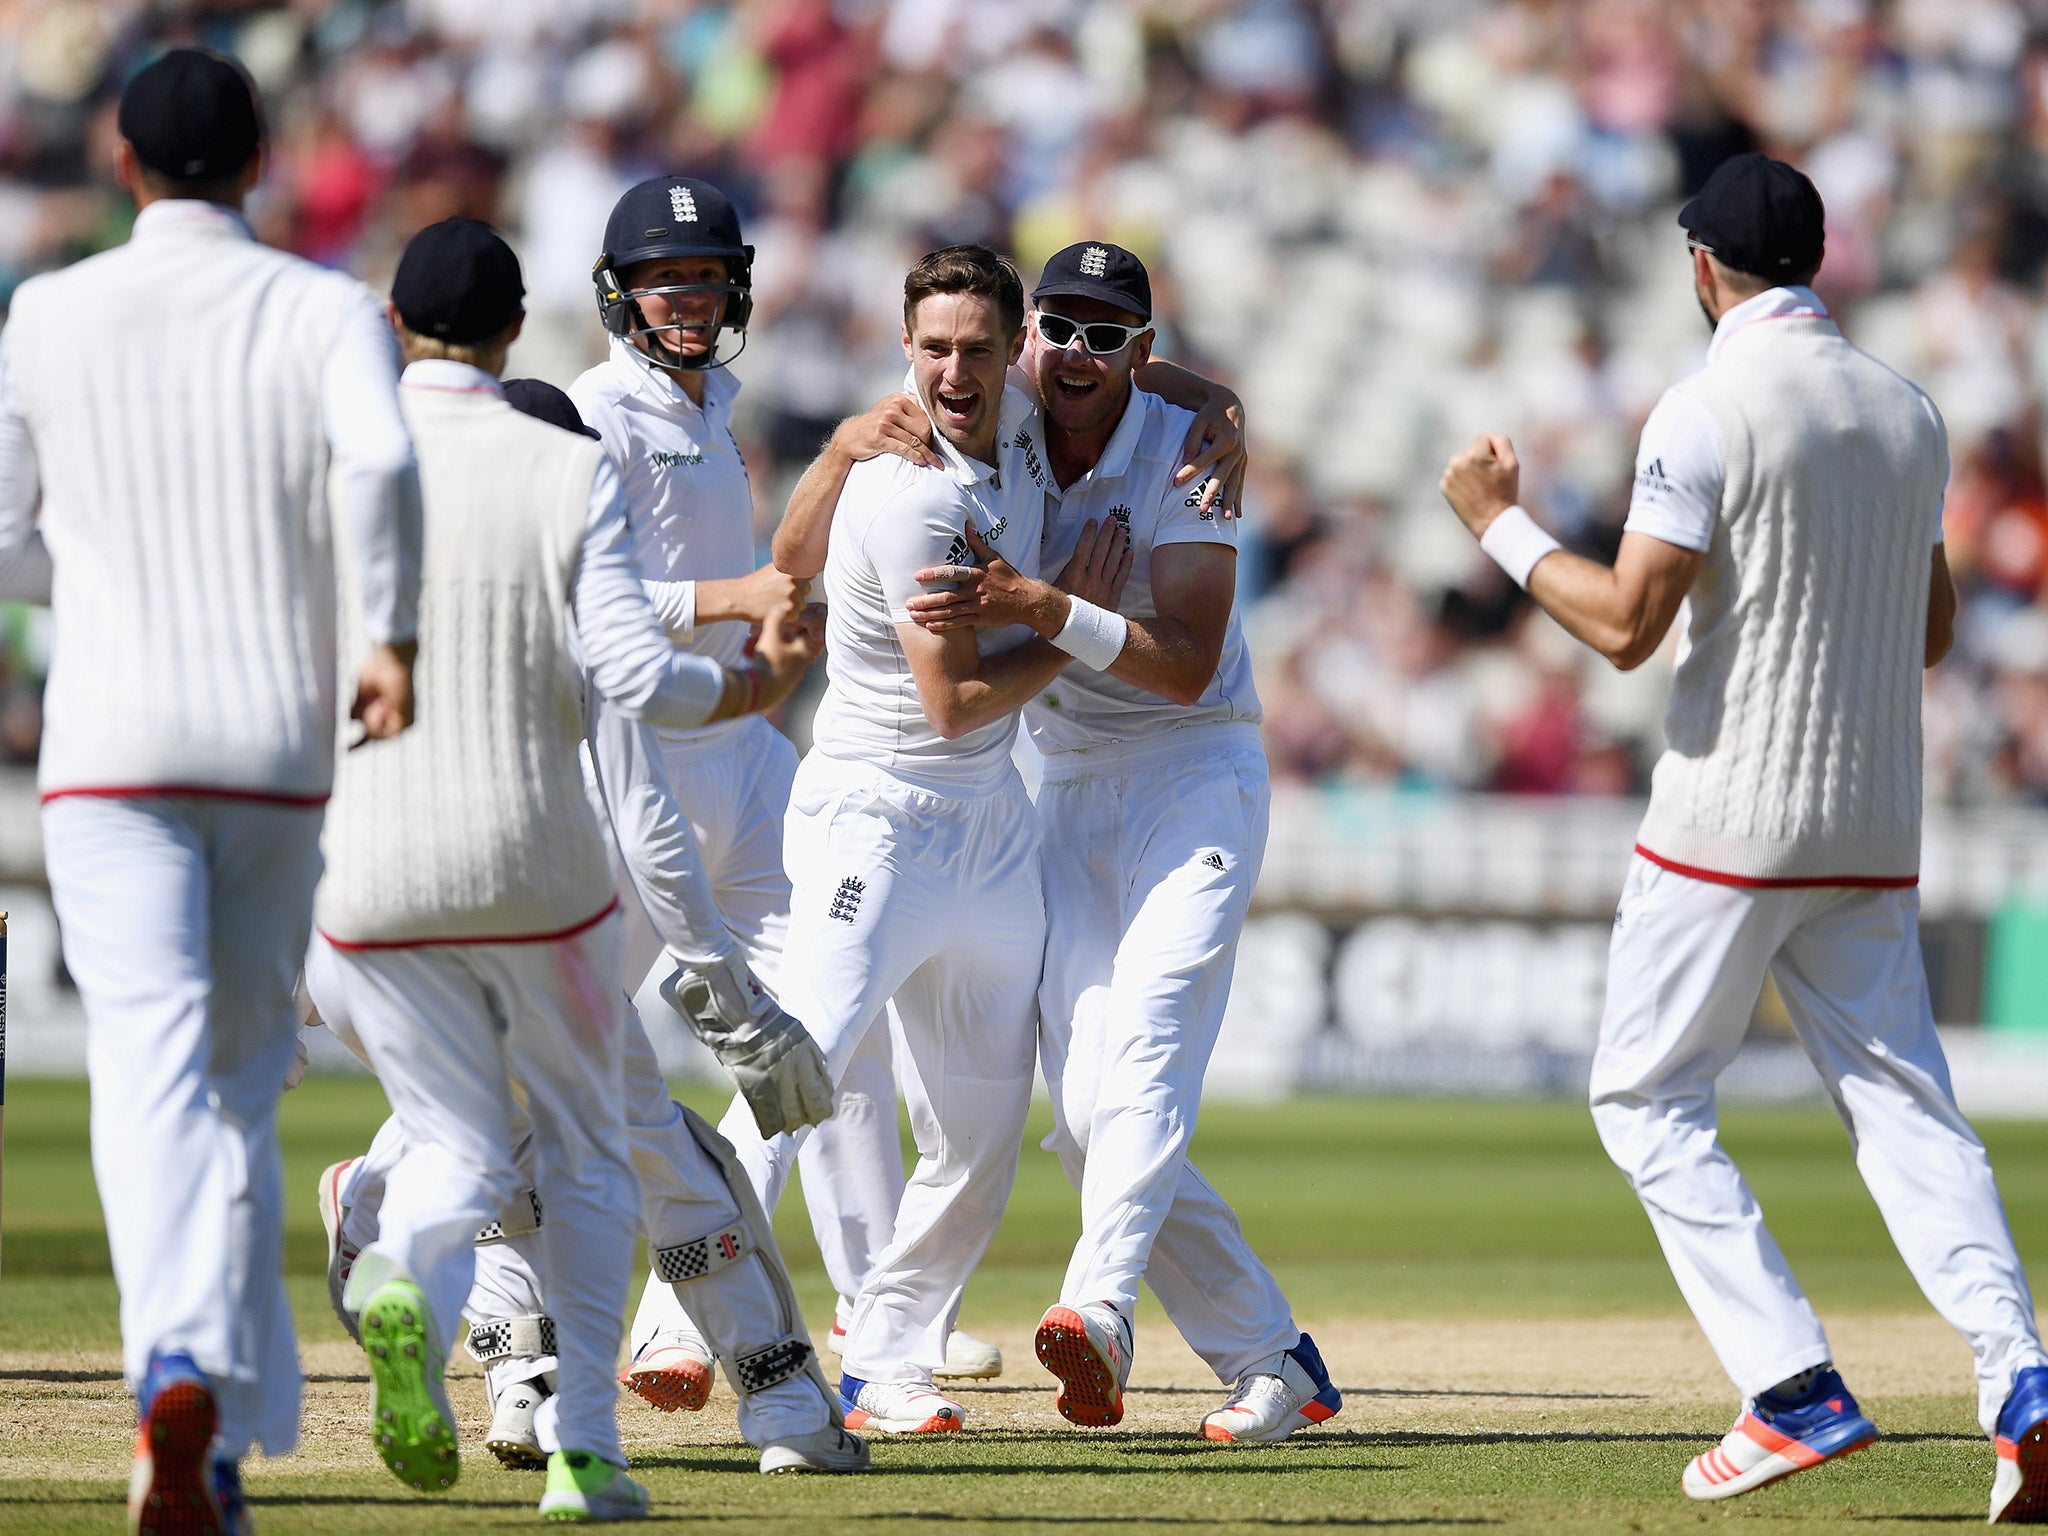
{"x": 689, "y": 506}
{"x": 1086, "y": 713}
{"x": 895, "y": 518}
{"x": 1681, "y": 470}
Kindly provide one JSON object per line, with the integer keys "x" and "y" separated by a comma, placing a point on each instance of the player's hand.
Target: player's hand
{"x": 780, "y": 1071}
{"x": 1100, "y": 565}
{"x": 295, "y": 1074}
{"x": 810, "y": 619}
{"x": 1214, "y": 455}
{"x": 383, "y": 701}
{"x": 988, "y": 596}
{"x": 894, "y": 424}
{"x": 768, "y": 589}
{"x": 783, "y": 652}
{"x": 1483, "y": 481}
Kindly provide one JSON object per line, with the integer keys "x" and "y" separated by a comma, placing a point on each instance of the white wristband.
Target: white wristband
{"x": 1515, "y": 543}
{"x": 1092, "y": 636}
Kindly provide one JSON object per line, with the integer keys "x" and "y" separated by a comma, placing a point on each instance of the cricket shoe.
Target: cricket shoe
{"x": 671, "y": 1372}
{"x": 409, "y": 1414}
{"x": 1283, "y": 1393}
{"x": 1089, "y": 1348}
{"x": 341, "y": 1253}
{"x": 584, "y": 1486}
{"x": 2019, "y": 1488}
{"x": 1773, "y": 1440}
{"x": 513, "y": 1438}
{"x": 171, "y": 1490}
{"x": 823, "y": 1450}
{"x": 898, "y": 1408}
{"x": 967, "y": 1358}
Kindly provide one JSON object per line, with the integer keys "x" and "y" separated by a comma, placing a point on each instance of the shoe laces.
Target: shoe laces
{"x": 1255, "y": 1393}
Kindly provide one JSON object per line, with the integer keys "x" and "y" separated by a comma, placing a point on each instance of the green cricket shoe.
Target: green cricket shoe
{"x": 409, "y": 1412}
{"x": 584, "y": 1486}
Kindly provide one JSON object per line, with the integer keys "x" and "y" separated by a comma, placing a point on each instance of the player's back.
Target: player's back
{"x": 1794, "y": 727}
{"x": 172, "y": 388}
{"x": 474, "y": 823}
{"x": 893, "y": 519}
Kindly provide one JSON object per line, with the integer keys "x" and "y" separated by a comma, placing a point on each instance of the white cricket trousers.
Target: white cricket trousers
{"x": 734, "y": 790}
{"x": 183, "y": 922}
{"x": 935, "y": 902}
{"x": 1685, "y": 969}
{"x": 451, "y": 1029}
{"x": 1148, "y": 874}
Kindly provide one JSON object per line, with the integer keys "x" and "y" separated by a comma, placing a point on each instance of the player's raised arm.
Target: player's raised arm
{"x": 894, "y": 424}
{"x": 1622, "y": 611}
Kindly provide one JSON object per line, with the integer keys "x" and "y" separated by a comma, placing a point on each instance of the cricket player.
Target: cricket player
{"x": 674, "y": 290}
{"x": 910, "y": 842}
{"x": 703, "y": 1225}
{"x": 467, "y": 922}
{"x": 175, "y": 411}
{"x": 1791, "y": 492}
{"x": 1152, "y": 815}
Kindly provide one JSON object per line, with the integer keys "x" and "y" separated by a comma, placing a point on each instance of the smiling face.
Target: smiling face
{"x": 669, "y": 313}
{"x": 960, "y": 350}
{"x": 1080, "y": 391}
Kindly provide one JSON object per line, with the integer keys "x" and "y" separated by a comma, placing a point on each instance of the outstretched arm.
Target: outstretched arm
{"x": 1622, "y": 611}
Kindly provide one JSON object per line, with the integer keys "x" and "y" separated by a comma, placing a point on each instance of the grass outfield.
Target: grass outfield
{"x": 1513, "y": 1352}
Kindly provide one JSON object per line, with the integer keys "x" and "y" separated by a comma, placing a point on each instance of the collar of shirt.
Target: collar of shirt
{"x": 659, "y": 384}
{"x": 1116, "y": 453}
{"x": 1015, "y": 411}
{"x": 449, "y": 377}
{"x": 190, "y": 213}
{"x": 1771, "y": 304}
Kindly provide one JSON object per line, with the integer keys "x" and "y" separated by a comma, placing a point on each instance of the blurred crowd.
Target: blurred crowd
{"x": 1391, "y": 224}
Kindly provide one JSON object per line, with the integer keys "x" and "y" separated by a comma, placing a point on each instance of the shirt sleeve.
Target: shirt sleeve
{"x": 1183, "y": 521}
{"x": 626, "y": 654}
{"x": 675, "y": 604}
{"x": 24, "y": 562}
{"x": 1680, "y": 472}
{"x": 1941, "y": 497}
{"x": 919, "y": 527}
{"x": 656, "y": 845}
{"x": 378, "y": 482}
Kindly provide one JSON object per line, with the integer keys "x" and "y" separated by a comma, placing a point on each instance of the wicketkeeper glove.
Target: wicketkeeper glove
{"x": 780, "y": 1070}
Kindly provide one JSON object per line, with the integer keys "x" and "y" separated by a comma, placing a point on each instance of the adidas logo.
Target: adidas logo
{"x": 957, "y": 552}
{"x": 846, "y": 900}
{"x": 1094, "y": 261}
{"x": 1652, "y": 473}
{"x": 1214, "y": 861}
{"x": 683, "y": 204}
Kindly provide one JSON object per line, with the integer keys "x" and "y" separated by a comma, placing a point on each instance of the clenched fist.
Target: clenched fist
{"x": 1483, "y": 481}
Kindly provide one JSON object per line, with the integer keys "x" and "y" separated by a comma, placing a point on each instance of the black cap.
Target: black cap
{"x": 1759, "y": 216}
{"x": 192, "y": 115}
{"x": 542, "y": 401}
{"x": 458, "y": 282}
{"x": 1095, "y": 269}
{"x": 673, "y": 216}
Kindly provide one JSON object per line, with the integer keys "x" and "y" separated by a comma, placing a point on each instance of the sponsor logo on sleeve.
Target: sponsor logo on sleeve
{"x": 957, "y": 552}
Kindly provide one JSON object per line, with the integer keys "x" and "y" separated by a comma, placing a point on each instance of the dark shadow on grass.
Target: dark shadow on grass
{"x": 32, "y": 1375}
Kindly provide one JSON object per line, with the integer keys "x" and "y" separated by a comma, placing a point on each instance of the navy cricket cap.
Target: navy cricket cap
{"x": 1759, "y": 216}
{"x": 192, "y": 115}
{"x": 458, "y": 282}
{"x": 542, "y": 401}
{"x": 1095, "y": 269}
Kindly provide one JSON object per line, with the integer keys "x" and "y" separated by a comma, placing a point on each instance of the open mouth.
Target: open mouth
{"x": 1075, "y": 386}
{"x": 957, "y": 408}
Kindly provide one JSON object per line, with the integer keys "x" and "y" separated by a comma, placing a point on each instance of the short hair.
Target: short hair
{"x": 226, "y": 189}
{"x": 967, "y": 269}
{"x": 481, "y": 353}
{"x": 1754, "y": 283}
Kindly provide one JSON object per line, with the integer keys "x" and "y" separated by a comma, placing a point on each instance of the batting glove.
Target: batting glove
{"x": 780, "y": 1070}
